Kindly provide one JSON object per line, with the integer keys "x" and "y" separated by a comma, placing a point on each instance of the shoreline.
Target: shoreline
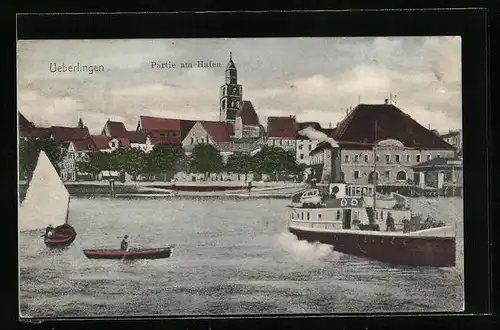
{"x": 152, "y": 190}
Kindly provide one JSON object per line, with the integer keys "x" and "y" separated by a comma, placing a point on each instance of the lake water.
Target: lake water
{"x": 231, "y": 257}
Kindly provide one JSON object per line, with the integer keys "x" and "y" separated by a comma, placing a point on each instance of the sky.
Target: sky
{"x": 315, "y": 79}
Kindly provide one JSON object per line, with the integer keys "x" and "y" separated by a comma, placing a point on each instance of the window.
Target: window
{"x": 308, "y": 216}
{"x": 387, "y": 158}
{"x": 291, "y": 215}
{"x": 378, "y": 158}
{"x": 300, "y": 146}
{"x": 338, "y": 215}
{"x": 408, "y": 158}
{"x": 310, "y": 147}
{"x": 418, "y": 158}
{"x": 366, "y": 159}
{"x": 301, "y": 156}
{"x": 223, "y": 104}
{"x": 401, "y": 176}
{"x": 192, "y": 139}
{"x": 346, "y": 158}
{"x": 113, "y": 144}
{"x": 356, "y": 158}
{"x": 356, "y": 174}
{"x": 438, "y": 156}
{"x": 428, "y": 157}
{"x": 388, "y": 174}
{"x": 302, "y": 215}
{"x": 355, "y": 215}
{"x": 397, "y": 159}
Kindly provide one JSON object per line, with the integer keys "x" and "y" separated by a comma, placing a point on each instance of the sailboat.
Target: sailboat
{"x": 46, "y": 204}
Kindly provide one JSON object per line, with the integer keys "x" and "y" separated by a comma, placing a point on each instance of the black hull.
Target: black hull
{"x": 149, "y": 254}
{"x": 394, "y": 250}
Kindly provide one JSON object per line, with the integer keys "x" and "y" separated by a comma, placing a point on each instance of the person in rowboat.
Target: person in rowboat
{"x": 49, "y": 231}
{"x": 124, "y": 244}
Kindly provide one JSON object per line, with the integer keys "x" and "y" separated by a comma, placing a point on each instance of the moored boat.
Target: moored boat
{"x": 151, "y": 253}
{"x": 46, "y": 204}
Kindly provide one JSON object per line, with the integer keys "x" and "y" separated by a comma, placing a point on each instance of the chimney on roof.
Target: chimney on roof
{"x": 347, "y": 112}
{"x": 386, "y": 101}
{"x": 329, "y": 125}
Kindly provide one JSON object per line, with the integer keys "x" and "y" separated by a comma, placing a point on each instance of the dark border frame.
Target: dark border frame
{"x": 471, "y": 25}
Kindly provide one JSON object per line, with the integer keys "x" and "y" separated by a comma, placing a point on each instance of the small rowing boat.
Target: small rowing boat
{"x": 152, "y": 253}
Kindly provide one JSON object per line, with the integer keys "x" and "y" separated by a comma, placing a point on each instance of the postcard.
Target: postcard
{"x": 245, "y": 176}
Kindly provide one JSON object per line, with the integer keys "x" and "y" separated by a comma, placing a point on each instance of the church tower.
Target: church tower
{"x": 231, "y": 94}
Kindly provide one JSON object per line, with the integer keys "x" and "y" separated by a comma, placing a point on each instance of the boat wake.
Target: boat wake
{"x": 305, "y": 251}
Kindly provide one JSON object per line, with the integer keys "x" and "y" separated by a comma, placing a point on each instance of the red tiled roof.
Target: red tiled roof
{"x": 282, "y": 127}
{"x": 36, "y": 132}
{"x": 392, "y": 123}
{"x": 24, "y": 123}
{"x": 248, "y": 114}
{"x": 136, "y": 137}
{"x": 84, "y": 145}
{"x": 149, "y": 124}
{"x": 91, "y": 143}
{"x": 186, "y": 126}
{"x": 219, "y": 131}
{"x": 116, "y": 129}
{"x": 65, "y": 134}
{"x": 124, "y": 142}
{"x": 162, "y": 137}
{"x": 100, "y": 141}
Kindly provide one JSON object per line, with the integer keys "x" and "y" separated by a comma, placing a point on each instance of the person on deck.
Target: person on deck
{"x": 124, "y": 244}
{"x": 49, "y": 231}
{"x": 389, "y": 222}
{"x": 406, "y": 225}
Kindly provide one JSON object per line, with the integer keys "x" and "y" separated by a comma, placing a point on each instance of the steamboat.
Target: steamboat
{"x": 352, "y": 224}
{"x": 357, "y": 220}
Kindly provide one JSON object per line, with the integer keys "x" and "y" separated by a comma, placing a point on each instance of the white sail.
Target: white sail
{"x": 47, "y": 199}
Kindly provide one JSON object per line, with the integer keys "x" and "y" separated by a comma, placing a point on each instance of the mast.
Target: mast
{"x": 375, "y": 173}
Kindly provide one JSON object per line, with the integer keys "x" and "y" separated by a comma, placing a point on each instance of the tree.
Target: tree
{"x": 206, "y": 159}
{"x": 275, "y": 161}
{"x": 163, "y": 159}
{"x": 240, "y": 163}
{"x": 94, "y": 163}
{"x": 29, "y": 151}
{"x": 135, "y": 161}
